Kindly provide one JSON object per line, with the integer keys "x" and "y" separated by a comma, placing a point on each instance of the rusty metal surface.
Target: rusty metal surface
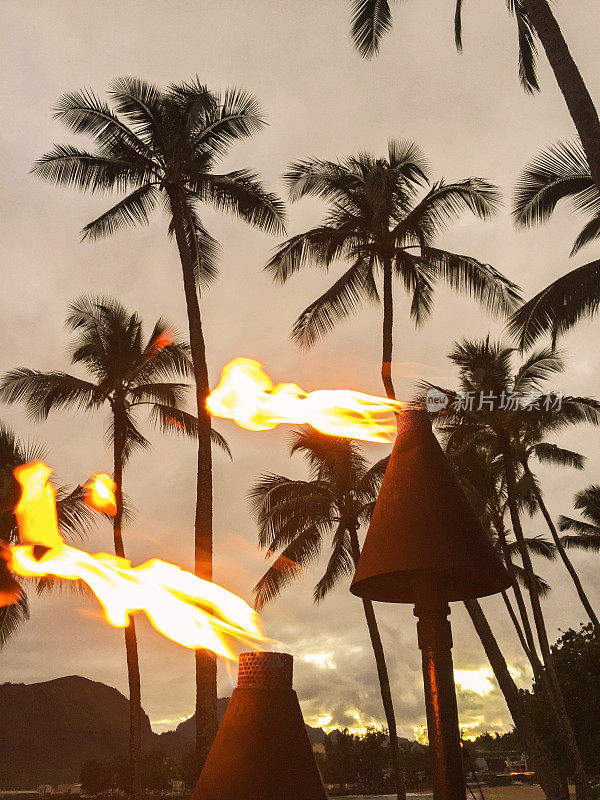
{"x": 265, "y": 670}
{"x": 423, "y": 524}
{"x": 435, "y": 642}
{"x": 261, "y": 750}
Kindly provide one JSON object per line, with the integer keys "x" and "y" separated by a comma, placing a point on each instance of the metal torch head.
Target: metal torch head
{"x": 261, "y": 750}
{"x": 424, "y": 528}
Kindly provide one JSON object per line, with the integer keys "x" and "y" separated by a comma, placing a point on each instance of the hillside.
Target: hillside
{"x": 47, "y": 730}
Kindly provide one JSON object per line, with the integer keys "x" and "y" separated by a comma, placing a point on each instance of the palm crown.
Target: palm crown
{"x": 586, "y": 532}
{"x": 295, "y": 516}
{"x": 127, "y": 373}
{"x": 560, "y": 172}
{"x": 377, "y": 221}
{"x": 155, "y": 144}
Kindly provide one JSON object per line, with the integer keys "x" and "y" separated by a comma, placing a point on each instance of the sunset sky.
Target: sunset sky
{"x": 471, "y": 118}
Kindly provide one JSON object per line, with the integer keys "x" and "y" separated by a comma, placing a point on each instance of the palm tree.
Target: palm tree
{"x": 126, "y": 374}
{"x": 74, "y": 517}
{"x": 586, "y": 533}
{"x": 163, "y": 146}
{"x": 486, "y": 377}
{"x": 371, "y": 19}
{"x": 377, "y": 222}
{"x": 530, "y": 445}
{"x": 557, "y": 173}
{"x": 294, "y": 517}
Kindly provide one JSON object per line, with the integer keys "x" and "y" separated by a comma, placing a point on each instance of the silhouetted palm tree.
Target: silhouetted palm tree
{"x": 377, "y": 221}
{"x": 74, "y": 518}
{"x": 557, "y": 173}
{"x": 485, "y": 374}
{"x": 127, "y": 374}
{"x": 163, "y": 147}
{"x": 295, "y": 517}
{"x": 371, "y": 19}
{"x": 586, "y": 533}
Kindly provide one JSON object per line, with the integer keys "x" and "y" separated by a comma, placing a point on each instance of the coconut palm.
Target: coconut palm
{"x": 294, "y": 519}
{"x": 560, "y": 172}
{"x": 74, "y": 518}
{"x": 586, "y": 532}
{"x": 377, "y": 221}
{"x": 371, "y": 20}
{"x": 163, "y": 147}
{"x": 127, "y": 374}
{"x": 530, "y": 445}
{"x": 491, "y": 403}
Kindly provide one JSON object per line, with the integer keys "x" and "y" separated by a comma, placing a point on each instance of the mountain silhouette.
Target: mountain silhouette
{"x": 48, "y": 729}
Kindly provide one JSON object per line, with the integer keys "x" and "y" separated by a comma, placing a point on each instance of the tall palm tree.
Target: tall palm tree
{"x": 156, "y": 147}
{"x": 126, "y": 374}
{"x": 586, "y": 532}
{"x": 295, "y": 517}
{"x": 485, "y": 374}
{"x": 531, "y": 445}
{"x": 74, "y": 517}
{"x": 377, "y": 221}
{"x": 371, "y": 19}
{"x": 560, "y": 172}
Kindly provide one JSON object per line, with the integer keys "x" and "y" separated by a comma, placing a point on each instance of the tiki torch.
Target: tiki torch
{"x": 425, "y": 546}
{"x": 261, "y": 750}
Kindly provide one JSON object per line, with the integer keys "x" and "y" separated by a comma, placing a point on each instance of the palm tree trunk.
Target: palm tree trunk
{"x": 388, "y": 324}
{"x": 563, "y": 553}
{"x": 206, "y": 664}
{"x": 552, "y": 782}
{"x": 582, "y": 784}
{"x": 515, "y": 621}
{"x": 528, "y": 632}
{"x": 570, "y": 82}
{"x": 131, "y": 648}
{"x": 384, "y": 679}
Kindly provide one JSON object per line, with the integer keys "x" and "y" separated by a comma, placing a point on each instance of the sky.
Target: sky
{"x": 471, "y": 118}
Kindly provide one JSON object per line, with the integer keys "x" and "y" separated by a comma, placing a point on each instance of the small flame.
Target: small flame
{"x": 100, "y": 494}
{"x": 191, "y": 611}
{"x": 247, "y": 395}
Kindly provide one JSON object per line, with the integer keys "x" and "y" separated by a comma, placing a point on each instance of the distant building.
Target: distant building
{"x": 68, "y": 788}
{"x": 45, "y": 789}
{"x": 177, "y": 787}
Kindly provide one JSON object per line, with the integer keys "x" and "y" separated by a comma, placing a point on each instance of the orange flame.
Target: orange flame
{"x": 100, "y": 494}
{"x": 191, "y": 611}
{"x": 247, "y": 395}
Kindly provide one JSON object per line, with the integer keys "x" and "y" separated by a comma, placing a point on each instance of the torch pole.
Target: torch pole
{"x": 435, "y": 642}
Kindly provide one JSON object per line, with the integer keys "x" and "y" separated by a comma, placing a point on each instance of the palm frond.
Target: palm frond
{"x": 66, "y": 165}
{"x": 316, "y": 247}
{"x": 588, "y": 541}
{"x": 301, "y": 552}
{"x": 43, "y": 392}
{"x": 527, "y": 46}
{"x": 371, "y": 20}
{"x": 339, "y": 301}
{"x": 11, "y": 618}
{"x": 340, "y": 564}
{"x": 237, "y": 115}
{"x": 537, "y": 368}
{"x": 242, "y": 193}
{"x": 558, "y": 307}
{"x": 135, "y": 209}
{"x": 175, "y": 420}
{"x": 84, "y": 113}
{"x": 548, "y": 453}
{"x": 557, "y": 172}
{"x": 497, "y": 294}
